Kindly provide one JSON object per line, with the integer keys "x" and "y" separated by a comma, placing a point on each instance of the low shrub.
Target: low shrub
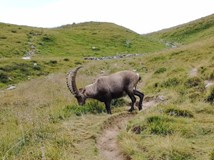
{"x": 159, "y": 126}
{"x": 37, "y": 67}
{"x": 211, "y": 75}
{"x": 212, "y": 155}
{"x": 210, "y": 95}
{"x": 178, "y": 155}
{"x": 3, "y": 77}
{"x": 14, "y": 31}
{"x": 193, "y": 82}
{"x": 179, "y": 113}
{"x": 93, "y": 107}
{"x": 3, "y": 37}
{"x": 66, "y": 59}
{"x": 53, "y": 62}
{"x": 47, "y": 38}
{"x": 160, "y": 70}
{"x": 171, "y": 82}
{"x": 118, "y": 102}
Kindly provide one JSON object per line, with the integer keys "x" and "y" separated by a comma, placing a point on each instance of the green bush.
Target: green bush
{"x": 171, "y": 82}
{"x": 38, "y": 68}
{"x": 3, "y": 37}
{"x": 66, "y": 59}
{"x": 160, "y": 70}
{"x": 47, "y": 38}
{"x": 211, "y": 75}
{"x": 193, "y": 82}
{"x": 178, "y": 155}
{"x": 159, "y": 125}
{"x": 118, "y": 102}
{"x": 52, "y": 62}
{"x": 93, "y": 107}
{"x": 3, "y": 77}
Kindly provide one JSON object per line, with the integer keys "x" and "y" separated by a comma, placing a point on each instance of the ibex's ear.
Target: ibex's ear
{"x": 82, "y": 90}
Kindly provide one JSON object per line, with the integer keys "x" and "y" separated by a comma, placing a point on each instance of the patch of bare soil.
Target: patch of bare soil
{"x": 107, "y": 142}
{"x": 208, "y": 83}
{"x": 193, "y": 72}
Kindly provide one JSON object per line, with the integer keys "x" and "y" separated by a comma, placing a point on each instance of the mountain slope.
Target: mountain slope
{"x": 84, "y": 39}
{"x": 186, "y": 33}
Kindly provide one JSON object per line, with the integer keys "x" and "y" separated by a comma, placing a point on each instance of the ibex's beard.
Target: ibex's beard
{"x": 81, "y": 100}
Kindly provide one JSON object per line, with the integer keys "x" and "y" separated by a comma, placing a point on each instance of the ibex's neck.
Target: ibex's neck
{"x": 90, "y": 91}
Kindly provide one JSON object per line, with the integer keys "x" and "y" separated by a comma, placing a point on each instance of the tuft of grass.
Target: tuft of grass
{"x": 193, "y": 82}
{"x": 171, "y": 82}
{"x": 155, "y": 125}
{"x": 93, "y": 107}
{"x": 212, "y": 155}
{"x": 179, "y": 113}
{"x": 3, "y": 77}
{"x": 210, "y": 95}
{"x": 160, "y": 70}
{"x": 118, "y": 102}
{"x": 159, "y": 125}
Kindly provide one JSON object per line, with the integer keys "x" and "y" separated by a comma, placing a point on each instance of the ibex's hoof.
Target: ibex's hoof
{"x": 131, "y": 109}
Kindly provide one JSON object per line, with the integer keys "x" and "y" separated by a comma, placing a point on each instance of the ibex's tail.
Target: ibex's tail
{"x": 139, "y": 78}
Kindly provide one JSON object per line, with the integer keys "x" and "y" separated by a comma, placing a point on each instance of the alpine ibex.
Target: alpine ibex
{"x": 106, "y": 88}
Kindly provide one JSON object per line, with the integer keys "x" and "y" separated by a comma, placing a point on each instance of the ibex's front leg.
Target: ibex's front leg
{"x": 107, "y": 105}
{"x": 133, "y": 99}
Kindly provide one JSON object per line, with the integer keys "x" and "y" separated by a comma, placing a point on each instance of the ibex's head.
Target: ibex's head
{"x": 71, "y": 83}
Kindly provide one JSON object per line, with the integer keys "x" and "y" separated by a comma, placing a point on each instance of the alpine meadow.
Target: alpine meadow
{"x": 41, "y": 119}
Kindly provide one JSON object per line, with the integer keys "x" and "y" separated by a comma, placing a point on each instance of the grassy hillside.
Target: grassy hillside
{"x": 189, "y": 32}
{"x": 85, "y": 39}
{"x": 181, "y": 127}
{"x": 66, "y": 45}
{"x": 41, "y": 120}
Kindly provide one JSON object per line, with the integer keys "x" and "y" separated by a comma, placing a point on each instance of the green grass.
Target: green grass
{"x": 40, "y": 119}
{"x": 189, "y": 32}
{"x": 63, "y": 47}
{"x": 74, "y": 40}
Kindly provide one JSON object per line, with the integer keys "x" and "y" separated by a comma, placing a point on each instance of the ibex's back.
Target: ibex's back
{"x": 117, "y": 84}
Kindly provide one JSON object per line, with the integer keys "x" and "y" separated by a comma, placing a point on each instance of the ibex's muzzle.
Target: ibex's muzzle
{"x": 80, "y": 100}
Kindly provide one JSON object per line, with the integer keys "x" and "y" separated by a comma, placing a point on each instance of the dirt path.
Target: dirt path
{"x": 107, "y": 142}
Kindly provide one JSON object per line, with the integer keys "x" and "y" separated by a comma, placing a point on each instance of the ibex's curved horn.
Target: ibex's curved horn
{"x": 71, "y": 81}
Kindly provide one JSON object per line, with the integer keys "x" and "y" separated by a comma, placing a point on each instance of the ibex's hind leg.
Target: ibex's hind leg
{"x": 133, "y": 99}
{"x": 140, "y": 95}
